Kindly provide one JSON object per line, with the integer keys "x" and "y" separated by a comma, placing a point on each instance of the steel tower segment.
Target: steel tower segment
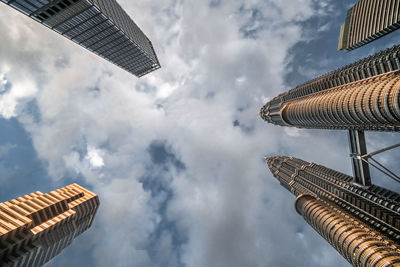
{"x": 374, "y": 205}
{"x": 353, "y": 81}
{"x": 369, "y": 104}
{"x": 356, "y": 241}
{"x": 358, "y": 148}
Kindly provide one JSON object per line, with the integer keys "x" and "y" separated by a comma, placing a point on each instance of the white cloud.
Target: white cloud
{"x": 3, "y": 82}
{"x": 293, "y": 132}
{"x": 20, "y": 91}
{"x": 94, "y": 156}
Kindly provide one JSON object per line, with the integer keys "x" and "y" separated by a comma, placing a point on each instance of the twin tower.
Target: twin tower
{"x": 359, "y": 219}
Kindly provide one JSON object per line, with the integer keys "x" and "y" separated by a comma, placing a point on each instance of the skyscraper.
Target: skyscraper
{"x": 100, "y": 26}
{"x": 361, "y": 223}
{"x": 367, "y": 21}
{"x": 36, "y": 227}
{"x": 356, "y": 241}
{"x": 364, "y": 95}
{"x": 359, "y": 219}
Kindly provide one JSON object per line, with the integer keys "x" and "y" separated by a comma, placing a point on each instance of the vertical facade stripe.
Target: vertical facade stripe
{"x": 360, "y": 244}
{"x": 370, "y": 20}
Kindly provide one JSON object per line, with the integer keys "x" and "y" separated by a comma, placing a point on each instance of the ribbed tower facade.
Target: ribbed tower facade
{"x": 360, "y": 244}
{"x": 364, "y": 95}
{"x": 100, "y": 26}
{"x": 37, "y": 227}
{"x": 367, "y": 21}
{"x": 361, "y": 223}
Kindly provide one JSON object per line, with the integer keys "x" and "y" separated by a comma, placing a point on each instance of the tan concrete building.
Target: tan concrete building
{"x": 36, "y": 227}
{"x": 367, "y": 21}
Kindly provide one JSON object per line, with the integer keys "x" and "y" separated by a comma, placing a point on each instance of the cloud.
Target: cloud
{"x": 20, "y": 91}
{"x": 3, "y": 82}
{"x": 94, "y": 157}
{"x": 126, "y": 221}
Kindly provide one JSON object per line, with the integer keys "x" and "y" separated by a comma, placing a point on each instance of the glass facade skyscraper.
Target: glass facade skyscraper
{"x": 101, "y": 26}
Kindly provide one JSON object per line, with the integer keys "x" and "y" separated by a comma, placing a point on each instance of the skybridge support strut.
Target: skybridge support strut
{"x": 358, "y": 148}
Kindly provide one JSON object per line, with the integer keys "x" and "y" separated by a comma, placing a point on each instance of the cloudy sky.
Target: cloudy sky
{"x": 177, "y": 156}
